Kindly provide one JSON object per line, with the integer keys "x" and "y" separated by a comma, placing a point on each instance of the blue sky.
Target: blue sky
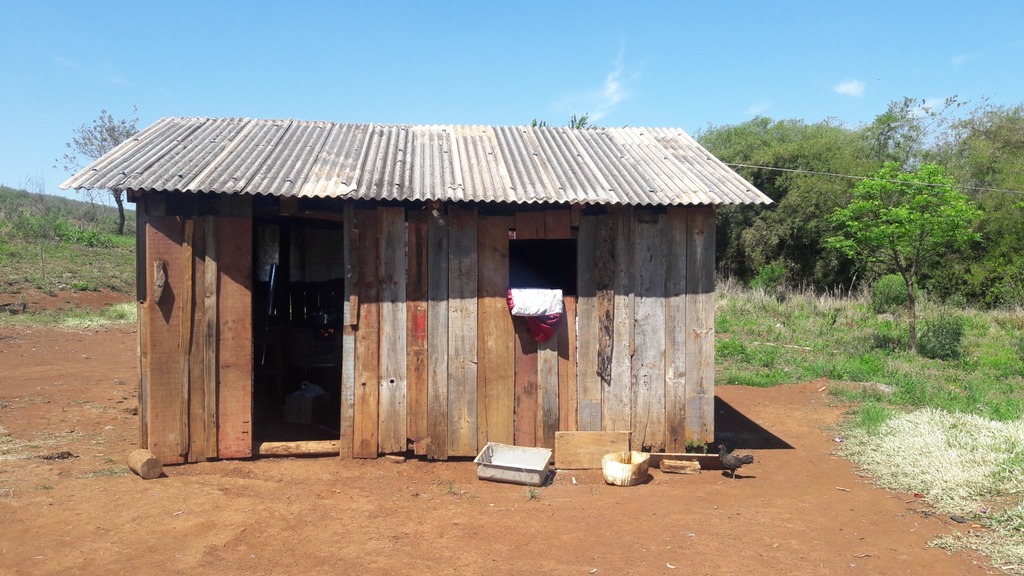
{"x": 656, "y": 63}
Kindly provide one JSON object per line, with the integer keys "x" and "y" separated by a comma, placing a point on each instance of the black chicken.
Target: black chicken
{"x": 733, "y": 461}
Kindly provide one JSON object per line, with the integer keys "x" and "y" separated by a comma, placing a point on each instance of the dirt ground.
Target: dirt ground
{"x": 68, "y": 419}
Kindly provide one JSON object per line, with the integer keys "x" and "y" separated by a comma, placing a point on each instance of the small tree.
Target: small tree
{"x": 90, "y": 141}
{"x": 904, "y": 221}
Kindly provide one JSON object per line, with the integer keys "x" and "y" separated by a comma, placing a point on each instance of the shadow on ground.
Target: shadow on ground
{"x": 736, "y": 430}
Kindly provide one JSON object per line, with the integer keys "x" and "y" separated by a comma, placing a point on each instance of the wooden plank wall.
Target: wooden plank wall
{"x": 198, "y": 406}
{"x": 431, "y": 358}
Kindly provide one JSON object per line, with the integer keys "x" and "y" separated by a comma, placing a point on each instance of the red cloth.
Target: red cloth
{"x": 543, "y": 327}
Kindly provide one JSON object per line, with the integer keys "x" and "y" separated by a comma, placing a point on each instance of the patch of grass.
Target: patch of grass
{"x": 106, "y": 472}
{"x": 532, "y": 493}
{"x": 765, "y": 341}
{"x": 963, "y": 464}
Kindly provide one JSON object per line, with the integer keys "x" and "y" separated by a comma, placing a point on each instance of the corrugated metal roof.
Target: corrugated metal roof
{"x": 516, "y": 164}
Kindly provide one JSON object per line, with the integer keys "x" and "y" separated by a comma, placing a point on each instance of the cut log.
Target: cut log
{"x": 584, "y": 450}
{"x": 145, "y": 464}
{"x": 680, "y": 466}
{"x": 305, "y": 448}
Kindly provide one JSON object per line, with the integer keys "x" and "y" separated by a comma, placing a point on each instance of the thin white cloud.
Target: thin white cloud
{"x": 853, "y": 88}
{"x": 602, "y": 101}
{"x": 960, "y": 59}
{"x": 107, "y": 75}
{"x": 757, "y": 108}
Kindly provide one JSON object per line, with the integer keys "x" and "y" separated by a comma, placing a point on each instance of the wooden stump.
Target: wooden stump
{"x": 145, "y": 464}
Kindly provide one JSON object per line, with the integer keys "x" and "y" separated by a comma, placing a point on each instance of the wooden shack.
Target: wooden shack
{"x": 343, "y": 288}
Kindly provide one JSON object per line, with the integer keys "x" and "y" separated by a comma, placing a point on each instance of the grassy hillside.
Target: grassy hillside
{"x": 50, "y": 244}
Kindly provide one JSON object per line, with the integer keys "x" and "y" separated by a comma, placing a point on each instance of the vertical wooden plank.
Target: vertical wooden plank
{"x": 557, "y": 223}
{"x": 197, "y": 350}
{"x": 393, "y": 413}
{"x": 187, "y": 291}
{"x": 495, "y": 342}
{"x": 649, "y": 333}
{"x": 526, "y": 401}
{"x": 568, "y": 404}
{"x": 142, "y": 296}
{"x": 588, "y": 386}
{"x": 210, "y": 283}
{"x": 618, "y": 395}
{"x": 700, "y": 324}
{"x": 350, "y": 313}
{"x": 529, "y": 225}
{"x": 367, "y": 371}
{"x": 437, "y": 336}
{"x": 607, "y": 233}
{"x": 162, "y": 406}
{"x": 547, "y": 384}
{"x": 462, "y": 332}
{"x": 416, "y": 337}
{"x": 675, "y": 331}
{"x": 234, "y": 389}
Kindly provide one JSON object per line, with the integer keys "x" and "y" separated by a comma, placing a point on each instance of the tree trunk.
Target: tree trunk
{"x": 912, "y": 322}
{"x": 119, "y": 200}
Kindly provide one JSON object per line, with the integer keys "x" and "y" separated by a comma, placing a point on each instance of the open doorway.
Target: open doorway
{"x": 298, "y": 289}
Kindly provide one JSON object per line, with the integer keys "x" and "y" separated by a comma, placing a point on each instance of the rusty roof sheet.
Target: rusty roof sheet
{"x": 511, "y": 164}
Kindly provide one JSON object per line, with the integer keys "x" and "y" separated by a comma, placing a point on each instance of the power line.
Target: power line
{"x": 853, "y": 177}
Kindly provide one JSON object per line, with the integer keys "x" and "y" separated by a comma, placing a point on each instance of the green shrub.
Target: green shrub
{"x": 942, "y": 338}
{"x": 769, "y": 278}
{"x": 889, "y": 336}
{"x": 888, "y": 294}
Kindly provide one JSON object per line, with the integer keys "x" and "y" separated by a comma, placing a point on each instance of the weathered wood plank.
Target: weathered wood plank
{"x": 588, "y": 385}
{"x": 675, "y": 331}
{"x": 367, "y": 382}
{"x": 210, "y": 331}
{"x": 700, "y": 323}
{"x": 707, "y": 461}
{"x": 583, "y": 450}
{"x": 393, "y": 321}
{"x": 649, "y": 333}
{"x": 417, "y": 352}
{"x": 526, "y": 400}
{"x": 185, "y": 337}
{"x": 162, "y": 402}
{"x": 568, "y": 404}
{"x": 495, "y": 343}
{"x": 462, "y": 332}
{"x": 607, "y": 230}
{"x": 547, "y": 383}
{"x": 197, "y": 350}
{"x": 529, "y": 225}
{"x": 437, "y": 336}
{"x": 557, "y": 224}
{"x": 350, "y": 315}
{"x": 234, "y": 402}
{"x": 143, "y": 269}
{"x": 617, "y": 394}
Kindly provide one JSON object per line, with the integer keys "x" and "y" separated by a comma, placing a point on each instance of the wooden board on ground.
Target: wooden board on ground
{"x": 583, "y": 450}
{"x": 680, "y": 466}
{"x": 707, "y": 461}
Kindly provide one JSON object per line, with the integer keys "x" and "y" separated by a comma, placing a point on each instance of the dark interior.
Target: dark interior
{"x": 297, "y": 297}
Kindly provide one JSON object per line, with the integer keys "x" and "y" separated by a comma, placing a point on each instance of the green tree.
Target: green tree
{"x": 903, "y": 221}
{"x": 794, "y": 164}
{"x": 90, "y": 141}
{"x": 986, "y": 154}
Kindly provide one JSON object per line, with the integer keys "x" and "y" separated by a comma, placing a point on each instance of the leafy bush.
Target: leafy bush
{"x": 888, "y": 294}
{"x": 769, "y": 278}
{"x": 942, "y": 338}
{"x": 889, "y": 336}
